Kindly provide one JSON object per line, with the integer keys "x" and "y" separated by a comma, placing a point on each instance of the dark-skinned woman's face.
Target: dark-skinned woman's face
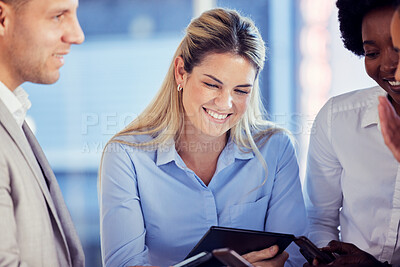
{"x": 381, "y": 58}
{"x": 395, "y": 33}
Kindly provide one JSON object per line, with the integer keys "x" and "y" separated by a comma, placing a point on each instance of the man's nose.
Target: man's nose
{"x": 74, "y": 33}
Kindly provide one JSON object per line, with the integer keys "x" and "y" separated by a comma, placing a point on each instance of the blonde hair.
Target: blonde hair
{"x": 215, "y": 31}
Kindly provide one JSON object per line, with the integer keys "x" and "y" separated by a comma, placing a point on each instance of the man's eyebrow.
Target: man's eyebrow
{"x": 59, "y": 10}
{"x": 63, "y": 9}
{"x": 218, "y": 81}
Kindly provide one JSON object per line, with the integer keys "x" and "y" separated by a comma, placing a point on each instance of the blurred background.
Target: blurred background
{"x": 113, "y": 75}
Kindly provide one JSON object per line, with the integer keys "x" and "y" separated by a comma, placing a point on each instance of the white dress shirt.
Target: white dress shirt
{"x": 16, "y": 101}
{"x": 353, "y": 180}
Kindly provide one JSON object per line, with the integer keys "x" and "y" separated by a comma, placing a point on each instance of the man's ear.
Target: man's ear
{"x": 180, "y": 72}
{"x": 4, "y": 13}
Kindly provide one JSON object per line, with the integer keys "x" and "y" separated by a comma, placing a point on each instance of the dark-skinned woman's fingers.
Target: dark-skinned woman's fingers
{"x": 341, "y": 248}
{"x": 390, "y": 126}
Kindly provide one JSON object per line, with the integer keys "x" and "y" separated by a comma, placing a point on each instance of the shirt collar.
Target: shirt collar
{"x": 16, "y": 101}
{"x": 167, "y": 153}
{"x": 371, "y": 115}
{"x": 241, "y": 153}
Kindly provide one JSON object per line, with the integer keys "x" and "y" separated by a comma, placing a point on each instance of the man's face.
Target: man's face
{"x": 37, "y": 36}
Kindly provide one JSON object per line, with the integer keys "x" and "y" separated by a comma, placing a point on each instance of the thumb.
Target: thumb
{"x": 271, "y": 251}
{"x": 261, "y": 254}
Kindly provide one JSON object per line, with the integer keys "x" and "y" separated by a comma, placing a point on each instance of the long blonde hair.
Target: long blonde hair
{"x": 215, "y": 31}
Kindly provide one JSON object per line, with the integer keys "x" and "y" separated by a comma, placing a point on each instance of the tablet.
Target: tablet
{"x": 194, "y": 261}
{"x": 240, "y": 240}
{"x": 311, "y": 251}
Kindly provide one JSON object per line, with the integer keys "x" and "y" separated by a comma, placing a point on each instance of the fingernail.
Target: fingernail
{"x": 273, "y": 248}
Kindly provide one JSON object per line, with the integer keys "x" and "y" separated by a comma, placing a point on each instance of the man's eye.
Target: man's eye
{"x": 58, "y": 17}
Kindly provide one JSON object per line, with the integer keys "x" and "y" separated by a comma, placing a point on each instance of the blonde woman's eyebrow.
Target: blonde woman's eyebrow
{"x": 218, "y": 81}
{"x": 214, "y": 78}
{"x": 245, "y": 85}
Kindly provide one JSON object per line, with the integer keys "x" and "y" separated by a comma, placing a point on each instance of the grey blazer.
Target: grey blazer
{"x": 35, "y": 226}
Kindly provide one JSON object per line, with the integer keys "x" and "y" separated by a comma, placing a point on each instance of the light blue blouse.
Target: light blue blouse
{"x": 153, "y": 209}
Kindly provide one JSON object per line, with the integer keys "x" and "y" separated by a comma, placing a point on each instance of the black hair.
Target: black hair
{"x": 351, "y": 15}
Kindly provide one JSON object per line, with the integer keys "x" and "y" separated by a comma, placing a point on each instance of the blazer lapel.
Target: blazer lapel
{"x": 11, "y": 126}
{"x": 62, "y": 216}
{"x": 36, "y": 159}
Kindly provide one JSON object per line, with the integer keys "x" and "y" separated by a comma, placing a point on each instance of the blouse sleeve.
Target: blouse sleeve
{"x": 122, "y": 230}
{"x": 322, "y": 188}
{"x": 286, "y": 211}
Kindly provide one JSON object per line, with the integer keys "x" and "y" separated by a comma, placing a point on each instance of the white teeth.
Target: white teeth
{"x": 394, "y": 83}
{"x": 216, "y": 116}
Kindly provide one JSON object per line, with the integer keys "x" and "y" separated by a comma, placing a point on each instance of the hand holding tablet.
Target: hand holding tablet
{"x": 242, "y": 241}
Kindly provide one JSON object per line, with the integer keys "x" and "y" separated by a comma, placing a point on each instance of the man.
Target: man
{"x": 35, "y": 225}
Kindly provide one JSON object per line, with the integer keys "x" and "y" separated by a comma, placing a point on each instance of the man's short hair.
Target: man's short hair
{"x": 15, "y": 3}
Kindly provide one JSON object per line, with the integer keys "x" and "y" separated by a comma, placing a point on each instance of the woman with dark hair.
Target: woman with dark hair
{"x": 352, "y": 186}
{"x": 201, "y": 154}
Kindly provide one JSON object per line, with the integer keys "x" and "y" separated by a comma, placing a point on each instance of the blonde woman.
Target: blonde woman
{"x": 201, "y": 154}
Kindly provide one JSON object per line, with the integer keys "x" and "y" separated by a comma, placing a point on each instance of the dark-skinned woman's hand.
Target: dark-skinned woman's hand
{"x": 390, "y": 126}
{"x": 348, "y": 255}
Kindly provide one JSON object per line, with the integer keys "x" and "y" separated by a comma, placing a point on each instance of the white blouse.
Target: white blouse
{"x": 353, "y": 180}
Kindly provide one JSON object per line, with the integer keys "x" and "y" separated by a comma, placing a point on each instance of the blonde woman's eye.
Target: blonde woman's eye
{"x": 211, "y": 85}
{"x": 241, "y": 92}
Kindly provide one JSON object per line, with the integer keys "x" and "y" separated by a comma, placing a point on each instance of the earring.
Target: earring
{"x": 179, "y": 87}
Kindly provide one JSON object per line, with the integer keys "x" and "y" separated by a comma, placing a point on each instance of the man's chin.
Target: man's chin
{"x": 47, "y": 79}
